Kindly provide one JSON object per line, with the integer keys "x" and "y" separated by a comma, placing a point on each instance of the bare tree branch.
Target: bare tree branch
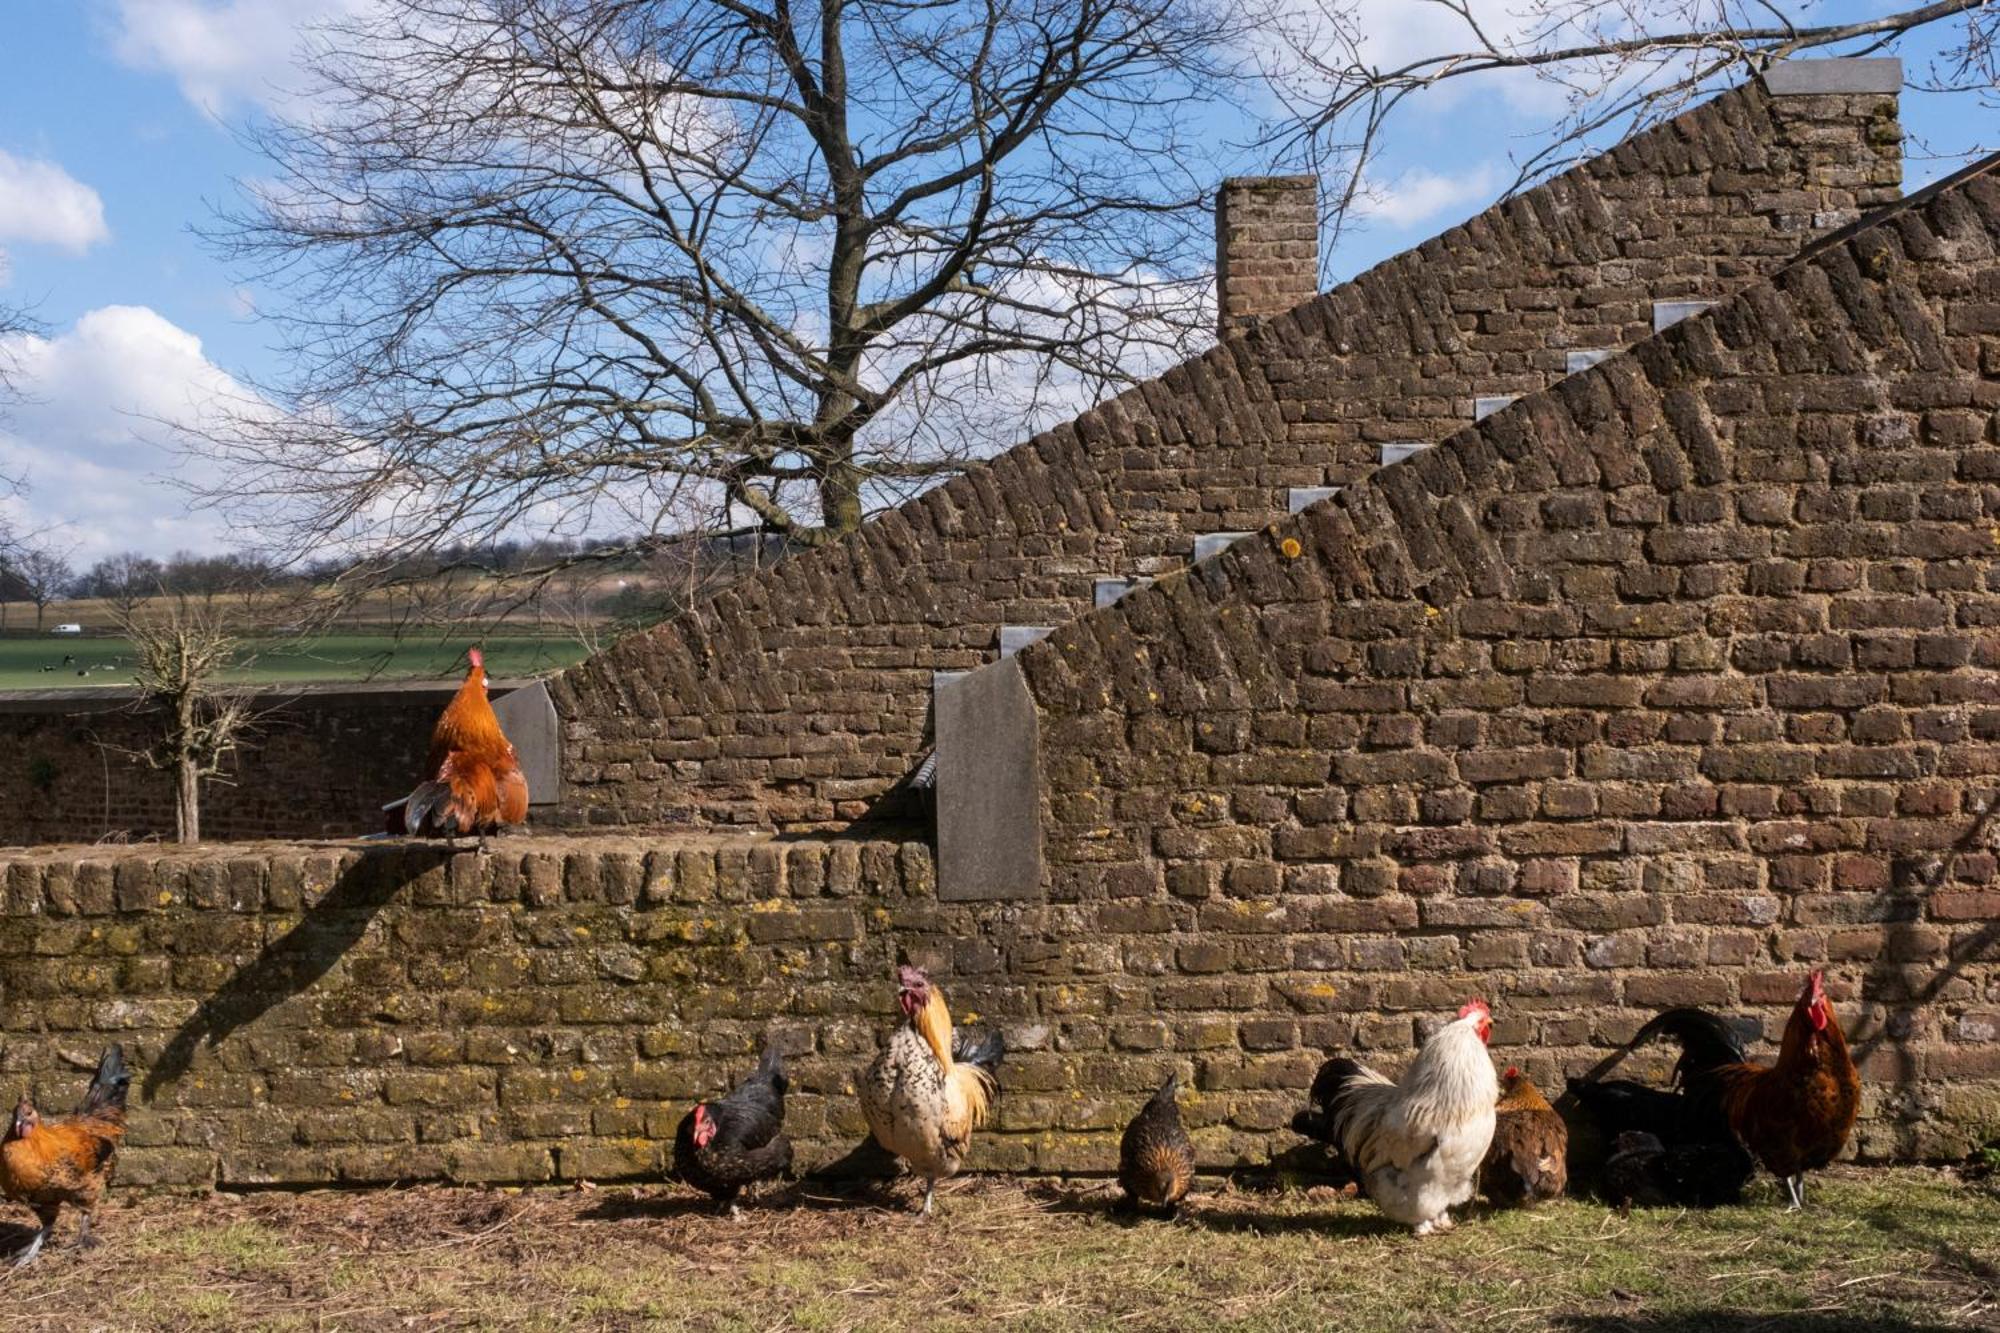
{"x": 1620, "y": 65}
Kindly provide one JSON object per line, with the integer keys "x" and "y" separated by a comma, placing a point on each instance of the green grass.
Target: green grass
{"x": 330, "y": 657}
{"x": 1902, "y": 1250}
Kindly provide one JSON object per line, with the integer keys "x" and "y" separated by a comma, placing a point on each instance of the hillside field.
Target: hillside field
{"x": 37, "y": 662}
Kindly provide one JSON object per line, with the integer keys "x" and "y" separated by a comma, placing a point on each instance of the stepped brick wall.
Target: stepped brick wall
{"x": 320, "y": 763}
{"x": 1665, "y": 685}
{"x": 802, "y": 697}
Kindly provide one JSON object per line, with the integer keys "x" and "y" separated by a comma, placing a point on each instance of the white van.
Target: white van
{"x": 68, "y": 629}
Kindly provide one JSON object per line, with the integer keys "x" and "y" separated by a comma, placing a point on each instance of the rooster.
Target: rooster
{"x": 929, "y": 1090}
{"x": 473, "y": 783}
{"x": 1155, "y": 1158}
{"x": 1527, "y": 1162}
{"x": 1793, "y": 1116}
{"x": 738, "y": 1140}
{"x": 1416, "y": 1144}
{"x": 46, "y": 1164}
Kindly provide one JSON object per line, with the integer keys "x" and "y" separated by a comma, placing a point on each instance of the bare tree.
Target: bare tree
{"x": 1620, "y": 66}
{"x": 44, "y": 574}
{"x": 564, "y": 265}
{"x": 182, "y": 647}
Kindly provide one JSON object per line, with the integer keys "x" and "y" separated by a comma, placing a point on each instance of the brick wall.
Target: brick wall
{"x": 802, "y": 697}
{"x": 321, "y": 763}
{"x": 1665, "y": 685}
{"x": 1266, "y": 248}
{"x": 304, "y": 1016}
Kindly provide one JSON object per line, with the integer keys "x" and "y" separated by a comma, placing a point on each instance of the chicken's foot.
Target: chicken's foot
{"x": 31, "y": 1249}
{"x": 1796, "y": 1187}
{"x": 930, "y": 1193}
{"x": 86, "y": 1239}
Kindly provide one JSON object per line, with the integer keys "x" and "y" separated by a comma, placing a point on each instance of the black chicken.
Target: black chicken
{"x": 723, "y": 1146}
{"x": 1673, "y": 1145}
{"x": 1644, "y": 1171}
{"x": 1155, "y": 1158}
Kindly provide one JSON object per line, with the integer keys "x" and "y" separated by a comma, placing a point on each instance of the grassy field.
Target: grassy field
{"x": 359, "y": 656}
{"x": 1898, "y": 1250}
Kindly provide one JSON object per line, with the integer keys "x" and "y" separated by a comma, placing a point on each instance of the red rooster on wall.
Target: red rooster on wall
{"x": 473, "y": 782}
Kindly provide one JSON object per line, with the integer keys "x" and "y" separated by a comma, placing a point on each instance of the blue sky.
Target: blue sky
{"x": 117, "y": 140}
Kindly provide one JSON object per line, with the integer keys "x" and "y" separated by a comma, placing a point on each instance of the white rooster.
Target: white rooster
{"x": 1415, "y": 1144}
{"x": 928, "y": 1091}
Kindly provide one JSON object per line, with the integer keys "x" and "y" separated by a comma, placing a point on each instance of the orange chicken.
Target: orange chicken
{"x": 69, "y": 1160}
{"x": 473, "y": 782}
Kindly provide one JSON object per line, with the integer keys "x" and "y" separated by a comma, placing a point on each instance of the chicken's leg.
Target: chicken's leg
{"x": 930, "y": 1191}
{"x": 86, "y": 1238}
{"x": 34, "y": 1247}
{"x": 1796, "y": 1187}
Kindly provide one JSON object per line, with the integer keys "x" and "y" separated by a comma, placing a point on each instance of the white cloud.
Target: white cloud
{"x": 1419, "y": 195}
{"x": 224, "y": 53}
{"x": 41, "y": 204}
{"x": 90, "y": 431}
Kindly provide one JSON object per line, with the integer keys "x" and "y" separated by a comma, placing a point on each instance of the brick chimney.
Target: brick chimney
{"x": 1266, "y": 248}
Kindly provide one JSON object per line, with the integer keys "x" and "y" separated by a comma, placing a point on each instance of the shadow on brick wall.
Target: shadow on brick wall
{"x": 290, "y": 965}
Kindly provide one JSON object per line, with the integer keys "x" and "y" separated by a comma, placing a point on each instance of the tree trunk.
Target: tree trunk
{"x": 39, "y": 608}
{"x": 187, "y": 802}
{"x": 840, "y": 496}
{"x": 187, "y": 773}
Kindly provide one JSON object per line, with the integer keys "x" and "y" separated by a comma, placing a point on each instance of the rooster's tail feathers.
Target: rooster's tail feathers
{"x": 983, "y": 1051}
{"x": 108, "y": 1087}
{"x": 771, "y": 1067}
{"x": 1707, "y": 1041}
{"x": 428, "y": 800}
{"x": 976, "y": 1088}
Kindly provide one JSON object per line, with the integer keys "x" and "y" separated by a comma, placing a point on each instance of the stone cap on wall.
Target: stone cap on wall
{"x": 1846, "y": 74}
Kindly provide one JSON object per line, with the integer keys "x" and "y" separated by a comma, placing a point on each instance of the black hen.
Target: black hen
{"x": 1673, "y": 1145}
{"x": 1644, "y": 1171}
{"x": 1155, "y": 1158}
{"x": 722, "y": 1146}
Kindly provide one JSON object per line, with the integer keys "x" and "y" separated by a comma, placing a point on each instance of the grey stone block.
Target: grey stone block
{"x": 1301, "y": 498}
{"x": 989, "y": 787}
{"x": 1215, "y": 543}
{"x": 1855, "y": 74}
{"x": 1106, "y": 592}
{"x": 1396, "y": 453}
{"x": 1666, "y": 314}
{"x": 1576, "y": 362}
{"x": 528, "y": 716}
{"x": 1013, "y": 638}
{"x": 1483, "y": 408}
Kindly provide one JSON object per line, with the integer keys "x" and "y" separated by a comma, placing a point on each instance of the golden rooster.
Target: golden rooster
{"x": 473, "y": 782}
{"x": 926, "y": 1093}
{"x": 68, "y": 1160}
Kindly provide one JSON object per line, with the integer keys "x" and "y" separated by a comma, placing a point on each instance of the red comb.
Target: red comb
{"x": 1513, "y": 1071}
{"x": 477, "y": 658}
{"x": 1475, "y": 1007}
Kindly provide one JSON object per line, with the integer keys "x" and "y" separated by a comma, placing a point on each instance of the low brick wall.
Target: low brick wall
{"x": 300, "y": 1015}
{"x": 320, "y": 762}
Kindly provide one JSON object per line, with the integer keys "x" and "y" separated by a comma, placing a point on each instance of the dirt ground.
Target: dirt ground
{"x": 1895, "y": 1250}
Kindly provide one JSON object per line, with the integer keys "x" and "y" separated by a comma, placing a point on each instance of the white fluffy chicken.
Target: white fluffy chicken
{"x": 929, "y": 1090}
{"x": 1416, "y": 1144}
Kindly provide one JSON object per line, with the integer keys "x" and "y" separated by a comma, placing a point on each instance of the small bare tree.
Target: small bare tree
{"x": 183, "y": 645}
{"x": 44, "y": 574}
